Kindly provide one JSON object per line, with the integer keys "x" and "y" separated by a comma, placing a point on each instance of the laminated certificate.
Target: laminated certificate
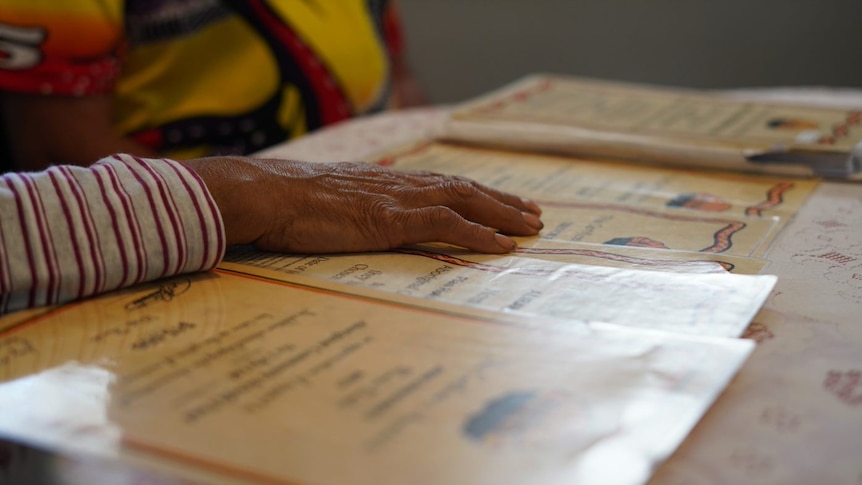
{"x": 667, "y": 125}
{"x": 217, "y": 378}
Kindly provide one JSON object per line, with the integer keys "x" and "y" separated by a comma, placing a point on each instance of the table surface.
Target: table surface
{"x": 794, "y": 412}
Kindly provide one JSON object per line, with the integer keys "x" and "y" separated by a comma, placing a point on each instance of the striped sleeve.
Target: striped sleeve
{"x": 71, "y": 232}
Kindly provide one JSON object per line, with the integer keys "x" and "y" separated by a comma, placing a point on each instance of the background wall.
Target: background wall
{"x": 462, "y": 48}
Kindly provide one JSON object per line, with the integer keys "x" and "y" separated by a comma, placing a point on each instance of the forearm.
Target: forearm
{"x": 71, "y": 232}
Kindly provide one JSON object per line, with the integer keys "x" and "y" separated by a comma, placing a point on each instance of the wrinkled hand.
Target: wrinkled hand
{"x": 289, "y": 206}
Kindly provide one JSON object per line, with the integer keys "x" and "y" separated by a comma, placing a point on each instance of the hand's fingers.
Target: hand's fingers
{"x": 521, "y": 203}
{"x": 438, "y": 180}
{"x": 441, "y": 224}
{"x": 471, "y": 202}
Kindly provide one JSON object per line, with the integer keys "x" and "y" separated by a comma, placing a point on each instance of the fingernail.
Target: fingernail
{"x": 532, "y": 221}
{"x": 534, "y": 207}
{"x": 505, "y": 242}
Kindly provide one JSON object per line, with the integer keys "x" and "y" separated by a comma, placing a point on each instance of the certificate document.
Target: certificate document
{"x": 683, "y": 127}
{"x": 260, "y": 382}
{"x": 715, "y": 303}
{"x": 626, "y": 204}
{"x": 609, "y": 227}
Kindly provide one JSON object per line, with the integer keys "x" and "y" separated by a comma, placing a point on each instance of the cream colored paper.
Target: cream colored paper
{"x": 643, "y": 123}
{"x": 637, "y": 226}
{"x": 629, "y": 204}
{"x": 268, "y": 383}
{"x": 21, "y": 317}
{"x": 701, "y": 304}
{"x": 566, "y": 179}
{"x": 666, "y": 112}
{"x": 637, "y": 257}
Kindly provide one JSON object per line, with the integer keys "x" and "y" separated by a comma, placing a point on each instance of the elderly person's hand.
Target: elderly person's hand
{"x": 289, "y": 206}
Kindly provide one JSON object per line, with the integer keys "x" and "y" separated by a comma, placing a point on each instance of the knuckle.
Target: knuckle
{"x": 384, "y": 211}
{"x": 440, "y": 216}
{"x": 387, "y": 223}
{"x": 461, "y": 188}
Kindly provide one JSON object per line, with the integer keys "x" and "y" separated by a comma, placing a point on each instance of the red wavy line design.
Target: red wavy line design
{"x": 654, "y": 263}
{"x": 841, "y": 130}
{"x": 774, "y": 198}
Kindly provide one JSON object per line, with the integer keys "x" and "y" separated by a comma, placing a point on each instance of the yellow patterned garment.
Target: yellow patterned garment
{"x": 199, "y": 77}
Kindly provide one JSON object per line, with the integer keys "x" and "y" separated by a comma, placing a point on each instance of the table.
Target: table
{"x": 794, "y": 412}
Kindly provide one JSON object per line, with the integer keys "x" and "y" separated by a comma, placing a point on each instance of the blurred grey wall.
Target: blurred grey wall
{"x": 462, "y": 48}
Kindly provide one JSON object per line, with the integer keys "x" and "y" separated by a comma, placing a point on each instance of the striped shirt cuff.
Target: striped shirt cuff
{"x": 71, "y": 232}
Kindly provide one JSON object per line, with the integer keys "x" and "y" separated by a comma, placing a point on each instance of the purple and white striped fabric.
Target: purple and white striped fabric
{"x": 71, "y": 232}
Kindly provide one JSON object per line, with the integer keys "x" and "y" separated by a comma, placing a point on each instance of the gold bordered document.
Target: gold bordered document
{"x": 628, "y": 204}
{"x": 682, "y": 127}
{"x": 239, "y": 380}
